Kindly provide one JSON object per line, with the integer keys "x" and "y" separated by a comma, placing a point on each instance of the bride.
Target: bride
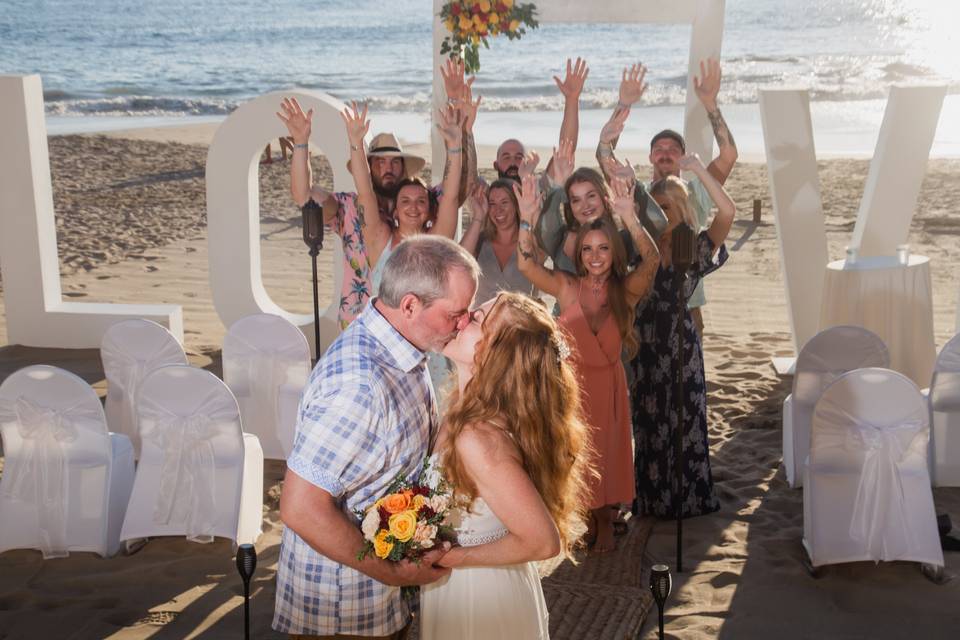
{"x": 513, "y": 447}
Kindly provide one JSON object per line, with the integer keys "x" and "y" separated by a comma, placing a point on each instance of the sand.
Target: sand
{"x": 131, "y": 228}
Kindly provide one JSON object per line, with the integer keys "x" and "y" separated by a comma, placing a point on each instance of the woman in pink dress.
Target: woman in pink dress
{"x": 596, "y": 309}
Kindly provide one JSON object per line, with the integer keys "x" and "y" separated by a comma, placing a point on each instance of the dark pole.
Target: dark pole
{"x": 660, "y": 584}
{"x": 683, "y": 245}
{"x": 246, "y": 565}
{"x": 313, "y": 238}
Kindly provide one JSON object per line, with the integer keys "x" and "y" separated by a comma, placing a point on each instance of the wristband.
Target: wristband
{"x": 455, "y": 150}
{"x": 354, "y": 147}
{"x": 524, "y": 225}
{"x": 301, "y": 145}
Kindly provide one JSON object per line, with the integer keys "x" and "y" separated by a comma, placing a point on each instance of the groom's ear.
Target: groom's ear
{"x": 410, "y": 305}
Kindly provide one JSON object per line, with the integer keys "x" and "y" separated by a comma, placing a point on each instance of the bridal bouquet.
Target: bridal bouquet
{"x": 408, "y": 521}
{"x": 471, "y": 22}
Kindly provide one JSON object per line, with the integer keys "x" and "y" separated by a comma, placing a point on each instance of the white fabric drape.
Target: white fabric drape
{"x": 187, "y": 493}
{"x": 258, "y": 372}
{"x": 38, "y": 474}
{"x": 892, "y": 300}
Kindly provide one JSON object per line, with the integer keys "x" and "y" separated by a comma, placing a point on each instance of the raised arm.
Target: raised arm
{"x": 460, "y": 95}
{"x": 639, "y": 281}
{"x": 478, "y": 207}
{"x": 571, "y": 87}
{"x": 707, "y": 86}
{"x": 550, "y": 228}
{"x": 547, "y": 280}
{"x": 493, "y": 462}
{"x": 299, "y": 125}
{"x": 726, "y": 209}
{"x": 376, "y": 233}
{"x": 450, "y": 125}
{"x": 632, "y": 86}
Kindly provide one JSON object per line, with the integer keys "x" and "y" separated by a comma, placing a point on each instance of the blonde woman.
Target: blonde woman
{"x": 512, "y": 446}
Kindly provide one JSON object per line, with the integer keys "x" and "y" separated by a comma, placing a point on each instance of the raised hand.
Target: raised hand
{"x": 450, "y": 123}
{"x": 528, "y": 197}
{"x": 356, "y": 123}
{"x": 632, "y": 85}
{"x": 529, "y": 164}
{"x": 452, "y": 73}
{"x": 479, "y": 204}
{"x": 297, "y": 122}
{"x": 469, "y": 106}
{"x": 614, "y": 126}
{"x": 623, "y": 207}
{"x": 691, "y": 162}
{"x": 617, "y": 170}
{"x": 572, "y": 84}
{"x": 561, "y": 167}
{"x": 707, "y": 84}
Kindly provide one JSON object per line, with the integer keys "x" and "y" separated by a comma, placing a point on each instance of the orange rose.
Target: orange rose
{"x": 396, "y": 502}
{"x": 381, "y": 547}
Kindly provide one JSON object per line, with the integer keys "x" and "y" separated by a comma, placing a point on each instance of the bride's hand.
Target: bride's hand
{"x": 428, "y": 570}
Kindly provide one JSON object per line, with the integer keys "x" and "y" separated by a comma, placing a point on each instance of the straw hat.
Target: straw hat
{"x": 386, "y": 145}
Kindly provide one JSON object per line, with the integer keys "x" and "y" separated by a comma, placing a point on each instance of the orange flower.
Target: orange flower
{"x": 396, "y": 502}
{"x": 514, "y": 24}
{"x": 465, "y": 22}
{"x": 485, "y": 5}
{"x": 493, "y": 18}
{"x": 508, "y": 3}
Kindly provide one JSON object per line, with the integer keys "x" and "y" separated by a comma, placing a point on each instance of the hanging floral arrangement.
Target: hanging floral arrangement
{"x": 471, "y": 22}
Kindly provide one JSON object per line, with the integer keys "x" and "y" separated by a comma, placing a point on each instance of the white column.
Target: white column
{"x": 897, "y": 169}
{"x": 233, "y": 206}
{"x": 706, "y": 38}
{"x": 797, "y": 208}
{"x": 36, "y": 314}
{"x": 438, "y": 153}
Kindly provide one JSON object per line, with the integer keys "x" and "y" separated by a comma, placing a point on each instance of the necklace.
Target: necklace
{"x": 597, "y": 286}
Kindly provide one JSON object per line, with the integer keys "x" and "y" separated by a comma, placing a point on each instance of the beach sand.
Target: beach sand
{"x": 131, "y": 228}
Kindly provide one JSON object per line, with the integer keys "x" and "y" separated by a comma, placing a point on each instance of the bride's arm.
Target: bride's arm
{"x": 492, "y": 461}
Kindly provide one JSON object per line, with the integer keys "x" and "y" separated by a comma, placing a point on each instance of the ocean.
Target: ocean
{"x": 131, "y": 61}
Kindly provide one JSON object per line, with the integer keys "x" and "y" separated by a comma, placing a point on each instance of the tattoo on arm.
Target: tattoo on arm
{"x": 526, "y": 249}
{"x": 360, "y": 212}
{"x": 720, "y": 130}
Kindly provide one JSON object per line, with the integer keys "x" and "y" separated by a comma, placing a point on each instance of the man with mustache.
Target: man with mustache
{"x": 668, "y": 146}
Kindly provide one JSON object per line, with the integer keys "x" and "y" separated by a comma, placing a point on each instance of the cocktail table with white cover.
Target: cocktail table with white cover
{"x": 944, "y": 398}
{"x": 199, "y": 475}
{"x": 66, "y": 479}
{"x": 866, "y": 490}
{"x": 131, "y": 349}
{"x": 894, "y": 301}
{"x": 824, "y": 358}
{"x": 266, "y": 363}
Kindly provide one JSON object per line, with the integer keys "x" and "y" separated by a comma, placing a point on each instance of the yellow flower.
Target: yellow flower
{"x": 477, "y": 20}
{"x": 475, "y": 39}
{"x": 419, "y": 501}
{"x": 514, "y": 24}
{"x": 508, "y": 3}
{"x": 381, "y": 547}
{"x": 403, "y": 525}
{"x": 485, "y": 5}
{"x": 465, "y": 22}
{"x": 449, "y": 24}
{"x": 493, "y": 19}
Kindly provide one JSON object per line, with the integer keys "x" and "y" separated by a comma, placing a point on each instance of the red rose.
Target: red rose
{"x": 501, "y": 8}
{"x": 455, "y": 9}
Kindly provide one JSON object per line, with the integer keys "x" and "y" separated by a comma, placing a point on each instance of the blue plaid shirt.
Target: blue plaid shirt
{"x": 365, "y": 417}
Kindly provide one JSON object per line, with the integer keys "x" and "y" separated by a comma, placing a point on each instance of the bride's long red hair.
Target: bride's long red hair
{"x": 522, "y": 385}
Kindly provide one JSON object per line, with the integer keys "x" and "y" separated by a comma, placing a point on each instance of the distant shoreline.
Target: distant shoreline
{"x": 841, "y": 129}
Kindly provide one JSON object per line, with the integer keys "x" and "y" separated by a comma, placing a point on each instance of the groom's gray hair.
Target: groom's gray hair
{"x": 421, "y": 266}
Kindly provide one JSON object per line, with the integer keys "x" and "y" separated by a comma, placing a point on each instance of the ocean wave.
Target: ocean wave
{"x": 139, "y": 106}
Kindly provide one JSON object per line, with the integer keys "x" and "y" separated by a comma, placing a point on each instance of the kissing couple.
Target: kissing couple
{"x": 511, "y": 446}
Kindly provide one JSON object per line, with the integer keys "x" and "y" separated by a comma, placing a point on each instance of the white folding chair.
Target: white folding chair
{"x": 199, "y": 475}
{"x": 131, "y": 349}
{"x": 944, "y": 398}
{"x": 266, "y": 362}
{"x": 866, "y": 493}
{"x": 824, "y": 358}
{"x": 66, "y": 480}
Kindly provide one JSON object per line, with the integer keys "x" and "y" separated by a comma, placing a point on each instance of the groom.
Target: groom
{"x": 366, "y": 415}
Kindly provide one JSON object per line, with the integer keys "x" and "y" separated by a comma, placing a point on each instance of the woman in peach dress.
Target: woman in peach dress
{"x": 596, "y": 309}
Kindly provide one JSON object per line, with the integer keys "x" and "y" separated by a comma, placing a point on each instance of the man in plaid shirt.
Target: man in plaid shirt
{"x": 366, "y": 415}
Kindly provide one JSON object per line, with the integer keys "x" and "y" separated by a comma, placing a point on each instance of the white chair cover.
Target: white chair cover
{"x": 130, "y": 349}
{"x": 867, "y": 489}
{"x": 66, "y": 480}
{"x": 945, "y": 416}
{"x": 825, "y": 357}
{"x": 197, "y": 467}
{"x": 266, "y": 363}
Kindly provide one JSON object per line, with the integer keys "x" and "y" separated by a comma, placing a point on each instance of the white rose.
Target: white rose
{"x": 371, "y": 524}
{"x": 425, "y": 534}
{"x": 439, "y": 503}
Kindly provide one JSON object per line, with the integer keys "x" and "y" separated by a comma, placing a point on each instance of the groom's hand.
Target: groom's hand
{"x": 427, "y": 571}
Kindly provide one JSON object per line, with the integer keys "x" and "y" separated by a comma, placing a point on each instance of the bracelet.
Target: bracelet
{"x": 354, "y": 147}
{"x": 301, "y": 145}
{"x": 524, "y": 225}
{"x": 622, "y": 106}
{"x": 455, "y": 150}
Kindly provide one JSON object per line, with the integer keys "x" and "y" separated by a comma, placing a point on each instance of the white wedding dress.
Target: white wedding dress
{"x": 483, "y": 603}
